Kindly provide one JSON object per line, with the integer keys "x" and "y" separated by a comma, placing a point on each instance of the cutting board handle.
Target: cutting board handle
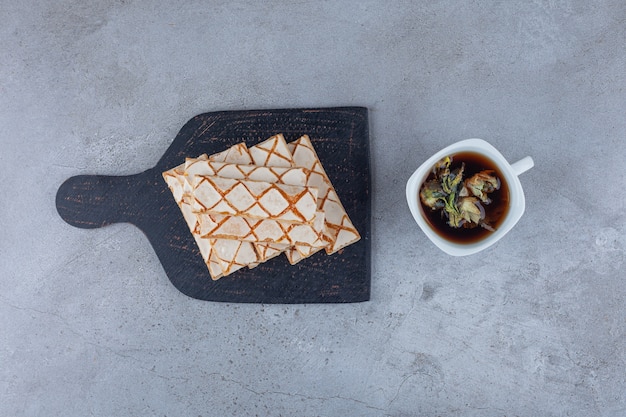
{"x": 92, "y": 201}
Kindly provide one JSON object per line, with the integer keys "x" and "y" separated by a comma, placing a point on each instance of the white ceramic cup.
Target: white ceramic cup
{"x": 517, "y": 202}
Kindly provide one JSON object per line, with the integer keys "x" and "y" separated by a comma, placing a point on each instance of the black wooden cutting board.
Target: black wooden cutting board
{"x": 341, "y": 139}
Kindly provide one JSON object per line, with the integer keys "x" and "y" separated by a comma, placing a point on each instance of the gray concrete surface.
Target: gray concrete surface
{"x": 534, "y": 326}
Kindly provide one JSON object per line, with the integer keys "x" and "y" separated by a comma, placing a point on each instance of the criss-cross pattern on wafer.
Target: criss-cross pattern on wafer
{"x": 245, "y": 206}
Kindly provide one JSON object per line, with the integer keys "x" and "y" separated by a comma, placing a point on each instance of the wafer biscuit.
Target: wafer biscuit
{"x": 339, "y": 228}
{"x": 245, "y": 206}
{"x": 214, "y": 252}
{"x": 272, "y": 152}
{"x": 278, "y": 175}
{"x": 253, "y": 199}
{"x": 262, "y": 230}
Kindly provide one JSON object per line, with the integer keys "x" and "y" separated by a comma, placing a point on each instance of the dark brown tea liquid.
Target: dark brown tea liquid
{"x": 495, "y": 212}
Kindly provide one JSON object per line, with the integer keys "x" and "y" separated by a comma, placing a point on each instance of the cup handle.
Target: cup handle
{"x": 522, "y": 165}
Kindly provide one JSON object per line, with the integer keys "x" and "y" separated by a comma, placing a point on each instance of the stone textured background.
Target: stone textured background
{"x": 534, "y": 326}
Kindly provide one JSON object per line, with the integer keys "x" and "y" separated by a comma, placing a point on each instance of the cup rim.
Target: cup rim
{"x": 517, "y": 200}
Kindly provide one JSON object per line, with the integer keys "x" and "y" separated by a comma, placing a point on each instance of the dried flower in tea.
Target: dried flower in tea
{"x": 459, "y": 200}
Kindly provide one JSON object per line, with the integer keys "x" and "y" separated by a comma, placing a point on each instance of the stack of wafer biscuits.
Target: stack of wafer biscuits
{"x": 245, "y": 206}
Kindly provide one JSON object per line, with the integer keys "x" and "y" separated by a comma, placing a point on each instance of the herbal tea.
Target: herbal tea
{"x": 465, "y": 197}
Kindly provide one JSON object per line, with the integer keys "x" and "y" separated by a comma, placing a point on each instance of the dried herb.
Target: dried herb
{"x": 460, "y": 201}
